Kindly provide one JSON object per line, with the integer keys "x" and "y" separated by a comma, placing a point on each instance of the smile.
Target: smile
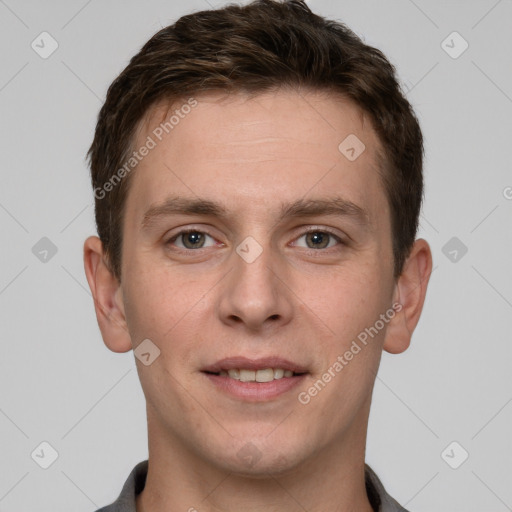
{"x": 255, "y": 380}
{"x": 264, "y": 375}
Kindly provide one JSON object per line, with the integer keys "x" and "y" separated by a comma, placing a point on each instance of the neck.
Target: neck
{"x": 179, "y": 479}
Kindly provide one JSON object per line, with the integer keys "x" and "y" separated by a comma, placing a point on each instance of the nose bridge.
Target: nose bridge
{"x": 253, "y": 264}
{"x": 253, "y": 293}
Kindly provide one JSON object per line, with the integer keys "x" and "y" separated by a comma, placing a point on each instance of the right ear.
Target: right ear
{"x": 108, "y": 297}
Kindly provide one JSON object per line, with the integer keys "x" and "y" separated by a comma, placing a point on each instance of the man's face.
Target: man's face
{"x": 259, "y": 281}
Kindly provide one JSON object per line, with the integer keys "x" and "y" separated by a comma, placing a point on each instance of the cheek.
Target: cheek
{"x": 158, "y": 297}
{"x": 349, "y": 299}
{"x": 350, "y": 309}
{"x": 167, "y": 309}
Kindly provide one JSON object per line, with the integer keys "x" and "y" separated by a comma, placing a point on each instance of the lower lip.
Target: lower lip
{"x": 255, "y": 391}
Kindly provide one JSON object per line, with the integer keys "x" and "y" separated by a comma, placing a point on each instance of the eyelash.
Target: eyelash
{"x": 311, "y": 230}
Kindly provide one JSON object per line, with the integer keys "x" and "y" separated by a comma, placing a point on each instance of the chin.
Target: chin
{"x": 255, "y": 459}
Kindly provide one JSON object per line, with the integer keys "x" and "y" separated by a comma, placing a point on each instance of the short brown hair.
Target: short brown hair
{"x": 262, "y": 46}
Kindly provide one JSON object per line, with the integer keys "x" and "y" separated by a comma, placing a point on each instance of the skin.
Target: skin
{"x": 297, "y": 301}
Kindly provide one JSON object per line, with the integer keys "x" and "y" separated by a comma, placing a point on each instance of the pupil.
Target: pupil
{"x": 193, "y": 238}
{"x": 318, "y": 239}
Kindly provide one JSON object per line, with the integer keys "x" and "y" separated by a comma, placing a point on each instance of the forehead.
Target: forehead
{"x": 305, "y": 116}
{"x": 278, "y": 145}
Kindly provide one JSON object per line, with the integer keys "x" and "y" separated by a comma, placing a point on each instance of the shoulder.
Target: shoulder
{"x": 379, "y": 498}
{"x": 132, "y": 486}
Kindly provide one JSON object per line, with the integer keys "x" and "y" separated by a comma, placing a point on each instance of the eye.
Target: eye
{"x": 191, "y": 239}
{"x": 318, "y": 239}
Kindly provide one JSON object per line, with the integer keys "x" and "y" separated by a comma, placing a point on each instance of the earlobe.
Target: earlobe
{"x": 107, "y": 296}
{"x": 410, "y": 292}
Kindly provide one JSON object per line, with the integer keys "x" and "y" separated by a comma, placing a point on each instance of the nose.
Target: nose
{"x": 255, "y": 294}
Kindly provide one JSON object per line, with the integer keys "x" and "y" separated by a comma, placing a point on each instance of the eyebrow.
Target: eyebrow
{"x": 335, "y": 206}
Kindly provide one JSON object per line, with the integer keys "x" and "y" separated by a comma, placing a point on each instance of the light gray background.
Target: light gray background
{"x": 61, "y": 385}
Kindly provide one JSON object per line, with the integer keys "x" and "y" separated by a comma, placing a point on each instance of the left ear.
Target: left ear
{"x": 410, "y": 291}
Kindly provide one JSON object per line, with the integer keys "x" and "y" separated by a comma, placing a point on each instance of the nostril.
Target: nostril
{"x": 273, "y": 317}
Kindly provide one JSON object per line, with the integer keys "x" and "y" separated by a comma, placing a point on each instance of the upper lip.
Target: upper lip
{"x": 240, "y": 362}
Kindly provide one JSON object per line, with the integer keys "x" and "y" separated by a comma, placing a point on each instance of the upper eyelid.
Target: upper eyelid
{"x": 314, "y": 229}
{"x": 339, "y": 238}
{"x": 174, "y": 237}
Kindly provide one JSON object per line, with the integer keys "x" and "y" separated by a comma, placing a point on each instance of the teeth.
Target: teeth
{"x": 247, "y": 375}
{"x": 234, "y": 373}
{"x": 278, "y": 373}
{"x": 266, "y": 375}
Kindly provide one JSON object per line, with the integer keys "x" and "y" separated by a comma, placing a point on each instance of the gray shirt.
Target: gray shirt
{"x": 380, "y": 500}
